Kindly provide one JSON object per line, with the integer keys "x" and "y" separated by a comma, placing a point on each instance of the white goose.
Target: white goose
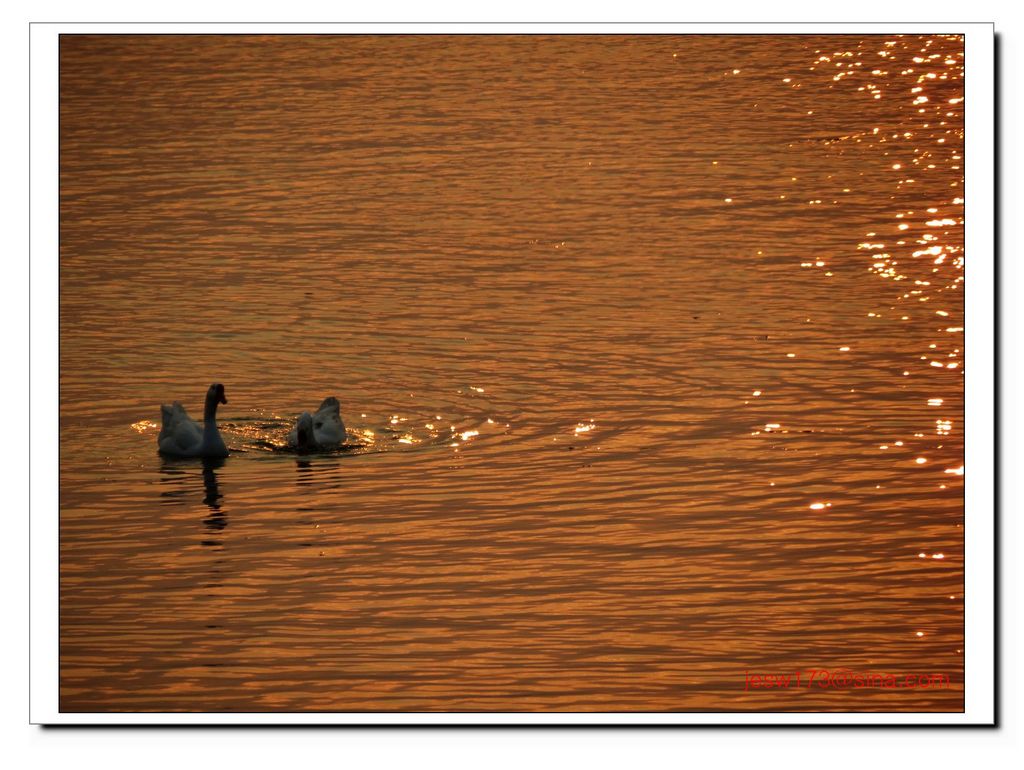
{"x": 181, "y": 436}
{"x": 316, "y": 431}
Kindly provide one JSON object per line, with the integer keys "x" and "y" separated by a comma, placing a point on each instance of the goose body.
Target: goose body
{"x": 181, "y": 436}
{"x": 321, "y": 429}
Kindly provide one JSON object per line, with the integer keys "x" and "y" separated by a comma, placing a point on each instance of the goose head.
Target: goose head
{"x": 215, "y": 395}
{"x": 216, "y": 392}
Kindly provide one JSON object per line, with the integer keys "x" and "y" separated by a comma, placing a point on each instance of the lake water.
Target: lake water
{"x": 651, "y": 345}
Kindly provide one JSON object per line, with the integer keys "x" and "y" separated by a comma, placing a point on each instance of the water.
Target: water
{"x": 639, "y": 362}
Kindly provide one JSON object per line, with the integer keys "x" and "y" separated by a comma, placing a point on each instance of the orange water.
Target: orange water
{"x": 638, "y": 354}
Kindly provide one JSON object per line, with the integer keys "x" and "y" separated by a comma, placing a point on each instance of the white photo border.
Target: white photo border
{"x": 980, "y": 459}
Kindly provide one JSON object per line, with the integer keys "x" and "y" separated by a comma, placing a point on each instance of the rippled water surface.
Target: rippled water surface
{"x": 650, "y": 347}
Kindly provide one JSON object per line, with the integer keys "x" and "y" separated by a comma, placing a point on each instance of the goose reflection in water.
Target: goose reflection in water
{"x": 179, "y": 474}
{"x": 217, "y": 519}
{"x": 323, "y": 473}
{"x": 307, "y": 474}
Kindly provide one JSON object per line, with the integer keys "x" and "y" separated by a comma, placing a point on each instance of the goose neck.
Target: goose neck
{"x": 210, "y": 410}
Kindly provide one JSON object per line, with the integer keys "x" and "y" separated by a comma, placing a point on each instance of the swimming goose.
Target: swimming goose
{"x": 181, "y": 436}
{"x": 323, "y": 429}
